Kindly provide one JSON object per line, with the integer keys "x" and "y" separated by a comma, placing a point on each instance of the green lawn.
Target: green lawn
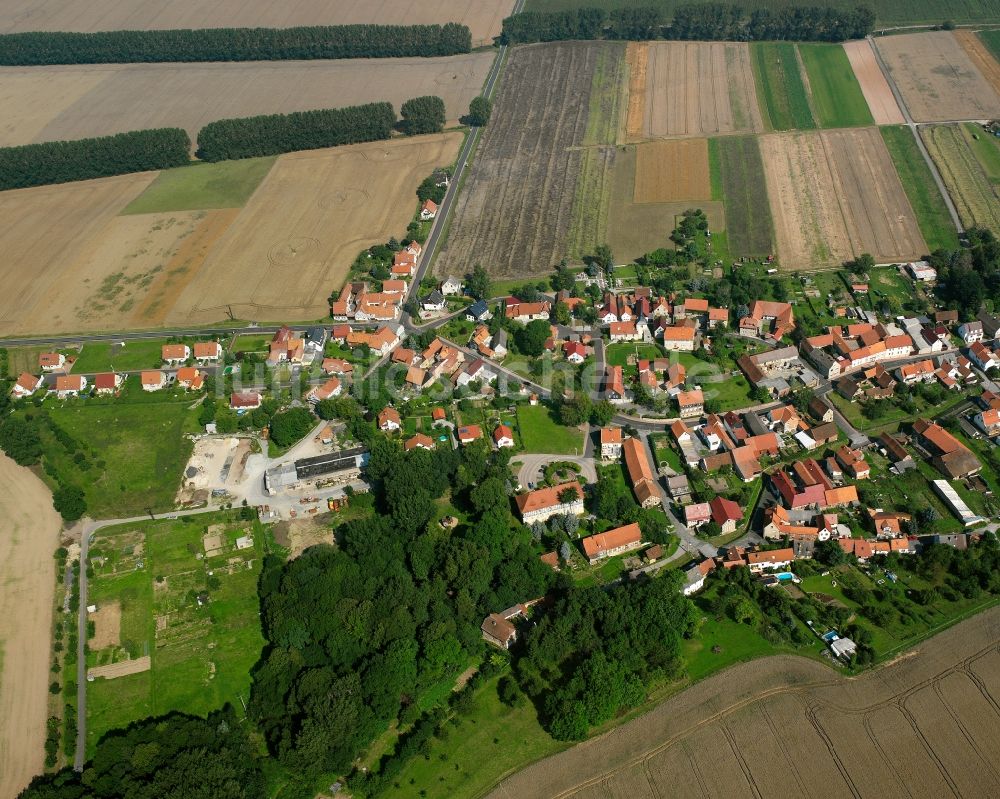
{"x": 105, "y": 356}
{"x": 618, "y": 354}
{"x": 202, "y": 657}
{"x": 836, "y": 94}
{"x": 541, "y": 433}
{"x": 782, "y": 93}
{"x": 252, "y": 343}
{"x": 921, "y": 190}
{"x": 24, "y": 359}
{"x": 227, "y": 184}
{"x": 135, "y": 451}
{"x": 731, "y": 393}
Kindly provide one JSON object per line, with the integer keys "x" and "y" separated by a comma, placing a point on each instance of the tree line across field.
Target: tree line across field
{"x": 234, "y": 44}
{"x": 701, "y": 22}
{"x": 271, "y": 134}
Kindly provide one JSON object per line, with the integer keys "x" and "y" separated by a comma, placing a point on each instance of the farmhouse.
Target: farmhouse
{"x": 640, "y": 473}
{"x": 677, "y": 339}
{"x": 921, "y": 271}
{"x": 612, "y": 542}
{"x": 771, "y": 320}
{"x": 526, "y": 311}
{"x": 726, "y": 513}
{"x": 842, "y": 351}
{"x": 770, "y": 559}
{"x": 623, "y": 331}
{"x": 949, "y": 455}
{"x": 543, "y": 503}
{"x": 428, "y": 210}
{"x": 498, "y": 629}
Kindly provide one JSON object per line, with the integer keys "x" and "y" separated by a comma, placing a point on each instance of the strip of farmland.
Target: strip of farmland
{"x": 515, "y": 211}
{"x": 964, "y": 175}
{"x": 737, "y": 161}
{"x": 881, "y": 101}
{"x": 836, "y": 95}
{"x": 784, "y": 103}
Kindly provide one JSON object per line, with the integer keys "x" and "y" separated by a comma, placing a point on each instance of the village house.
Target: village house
{"x": 611, "y": 443}
{"x": 769, "y": 559}
{"x": 853, "y": 462}
{"x": 51, "y": 361}
{"x": 330, "y": 389}
{"x": 624, "y": 331}
{"x": 842, "y": 351}
{"x": 949, "y": 455}
{"x": 337, "y": 366}
{"x": 451, "y": 286}
{"x": 526, "y": 311}
{"x": 70, "y": 386}
{"x": 245, "y": 401}
{"x": 389, "y": 420}
{"x": 152, "y": 380}
{"x": 479, "y": 311}
{"x": 726, "y": 513}
{"x": 983, "y": 357}
{"x": 26, "y": 385}
{"x": 190, "y": 378}
{"x": 503, "y": 437}
{"x": 694, "y": 576}
{"x": 428, "y": 210}
{"x": 640, "y": 473}
{"x": 574, "y": 352}
{"x": 677, "y": 339}
{"x": 433, "y": 301}
{"x": 691, "y": 403}
{"x": 612, "y": 542}
{"x": 971, "y": 332}
{"x": 543, "y": 503}
{"x": 499, "y": 630}
{"x": 469, "y": 433}
{"x": 769, "y": 320}
{"x": 988, "y": 422}
{"x": 679, "y": 489}
{"x": 207, "y": 351}
{"x": 419, "y": 440}
{"x": 614, "y": 385}
{"x": 380, "y": 342}
{"x": 174, "y": 354}
{"x": 697, "y": 514}
{"x": 107, "y": 383}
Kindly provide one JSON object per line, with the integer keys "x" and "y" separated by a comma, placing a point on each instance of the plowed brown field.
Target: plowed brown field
{"x": 875, "y": 88}
{"x": 74, "y": 102}
{"x": 17, "y": 16}
{"x": 786, "y": 726}
{"x": 937, "y": 78}
{"x": 515, "y": 212}
{"x": 690, "y": 89}
{"x": 834, "y": 195}
{"x": 666, "y": 171}
{"x": 292, "y": 244}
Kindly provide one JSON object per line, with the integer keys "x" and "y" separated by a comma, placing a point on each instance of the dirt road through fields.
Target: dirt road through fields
{"x": 29, "y": 531}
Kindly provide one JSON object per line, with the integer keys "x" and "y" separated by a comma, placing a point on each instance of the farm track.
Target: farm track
{"x": 889, "y": 695}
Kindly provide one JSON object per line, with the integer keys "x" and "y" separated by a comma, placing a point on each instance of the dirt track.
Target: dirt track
{"x": 16, "y": 16}
{"x": 73, "y": 102}
{"x": 885, "y": 110}
{"x": 674, "y": 170}
{"x": 28, "y": 537}
{"x": 690, "y": 89}
{"x": 923, "y": 725}
{"x": 834, "y": 195}
{"x": 937, "y": 78}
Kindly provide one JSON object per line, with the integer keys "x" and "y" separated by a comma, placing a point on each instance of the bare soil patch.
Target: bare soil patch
{"x": 45, "y": 231}
{"x": 515, "y": 212}
{"x": 938, "y": 79}
{"x": 28, "y": 536}
{"x": 634, "y": 228}
{"x": 786, "y": 725}
{"x": 294, "y": 241}
{"x": 666, "y": 171}
{"x": 72, "y": 102}
{"x": 691, "y": 89}
{"x": 122, "y": 668}
{"x": 981, "y": 56}
{"x": 107, "y": 626}
{"x": 834, "y": 195}
{"x": 300, "y": 534}
{"x": 16, "y": 16}
{"x": 874, "y": 86}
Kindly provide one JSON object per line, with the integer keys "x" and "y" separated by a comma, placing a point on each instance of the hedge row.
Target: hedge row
{"x": 711, "y": 21}
{"x": 64, "y": 161}
{"x": 234, "y": 44}
{"x": 304, "y": 130}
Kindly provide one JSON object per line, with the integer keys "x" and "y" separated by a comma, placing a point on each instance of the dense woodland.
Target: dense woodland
{"x": 970, "y": 276}
{"x": 271, "y": 134}
{"x": 82, "y": 159}
{"x": 234, "y": 44}
{"x": 708, "y": 22}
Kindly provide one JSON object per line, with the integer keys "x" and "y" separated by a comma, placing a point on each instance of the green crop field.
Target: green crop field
{"x": 737, "y": 176}
{"x": 541, "y": 433}
{"x": 964, "y": 175}
{"x": 782, "y": 92}
{"x": 887, "y": 12}
{"x": 201, "y": 654}
{"x": 134, "y": 451}
{"x": 928, "y": 204}
{"x": 227, "y": 184}
{"x": 836, "y": 93}
{"x": 992, "y": 41}
{"x": 986, "y": 148}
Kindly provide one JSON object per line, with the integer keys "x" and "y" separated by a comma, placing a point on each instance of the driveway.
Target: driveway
{"x": 530, "y": 471}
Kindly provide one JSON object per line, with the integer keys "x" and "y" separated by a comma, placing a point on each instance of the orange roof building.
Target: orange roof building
{"x": 612, "y": 542}
{"x": 640, "y": 473}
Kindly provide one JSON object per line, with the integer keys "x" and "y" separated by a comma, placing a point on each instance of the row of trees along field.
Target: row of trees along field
{"x": 234, "y": 44}
{"x": 142, "y": 150}
{"x": 83, "y": 159}
{"x": 708, "y": 22}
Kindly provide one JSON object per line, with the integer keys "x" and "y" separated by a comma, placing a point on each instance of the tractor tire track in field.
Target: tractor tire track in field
{"x": 816, "y": 696}
{"x": 970, "y": 739}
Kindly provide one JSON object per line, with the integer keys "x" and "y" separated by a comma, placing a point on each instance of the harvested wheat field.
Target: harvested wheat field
{"x": 28, "y": 537}
{"x": 981, "y": 56}
{"x": 972, "y": 191}
{"x": 938, "y": 79}
{"x": 834, "y": 195}
{"x": 635, "y": 228}
{"x": 671, "y": 170}
{"x": 16, "y": 16}
{"x": 74, "y": 102}
{"x": 294, "y": 241}
{"x": 515, "y": 212}
{"x": 690, "y": 89}
{"x": 46, "y": 230}
{"x": 923, "y": 725}
{"x": 875, "y": 88}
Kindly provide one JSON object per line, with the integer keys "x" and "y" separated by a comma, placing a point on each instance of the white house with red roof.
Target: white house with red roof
{"x": 26, "y": 385}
